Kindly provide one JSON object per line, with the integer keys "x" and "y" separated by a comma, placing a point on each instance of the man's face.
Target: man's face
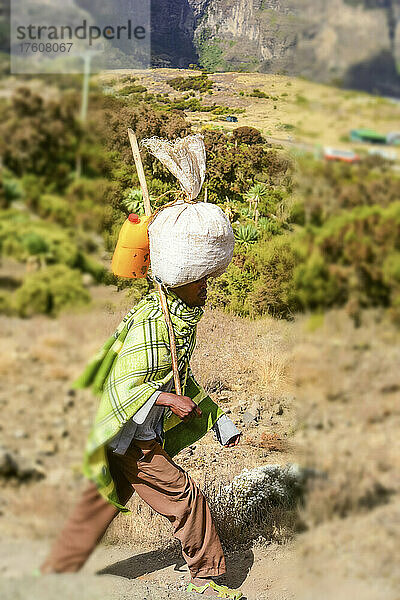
{"x": 193, "y": 294}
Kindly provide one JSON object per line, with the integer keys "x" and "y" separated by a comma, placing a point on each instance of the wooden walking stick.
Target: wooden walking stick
{"x": 147, "y": 209}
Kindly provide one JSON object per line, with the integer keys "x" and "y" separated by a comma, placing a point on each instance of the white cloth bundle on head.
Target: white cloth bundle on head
{"x": 188, "y": 242}
{"x": 185, "y": 158}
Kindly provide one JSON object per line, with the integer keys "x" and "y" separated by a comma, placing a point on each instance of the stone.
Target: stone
{"x": 8, "y": 463}
{"x": 255, "y": 409}
{"x": 87, "y": 279}
{"x": 24, "y": 388}
{"x": 13, "y": 466}
{"x": 48, "y": 448}
{"x": 68, "y": 403}
{"x": 248, "y": 417}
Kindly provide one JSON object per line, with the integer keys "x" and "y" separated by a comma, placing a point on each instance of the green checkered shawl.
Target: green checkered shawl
{"x": 134, "y": 363}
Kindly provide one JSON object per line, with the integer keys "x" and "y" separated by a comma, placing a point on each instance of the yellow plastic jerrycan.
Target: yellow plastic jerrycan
{"x": 132, "y": 254}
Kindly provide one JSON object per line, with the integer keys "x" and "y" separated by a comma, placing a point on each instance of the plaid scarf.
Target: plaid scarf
{"x": 134, "y": 363}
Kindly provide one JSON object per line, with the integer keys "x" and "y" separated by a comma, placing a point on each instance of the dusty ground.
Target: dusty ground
{"x": 323, "y": 394}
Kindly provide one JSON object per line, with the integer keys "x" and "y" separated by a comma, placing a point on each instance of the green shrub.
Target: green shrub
{"x": 297, "y": 213}
{"x": 21, "y": 236}
{"x": 49, "y": 291}
{"x": 56, "y": 209}
{"x": 353, "y": 260}
{"x": 6, "y": 307}
{"x": 391, "y": 268}
{"x": 275, "y": 261}
{"x": 10, "y": 189}
{"x": 33, "y": 187}
{"x": 269, "y": 226}
{"x": 230, "y": 291}
{"x": 86, "y": 264}
{"x": 256, "y": 93}
{"x": 35, "y": 244}
{"x": 40, "y": 135}
{"x": 132, "y": 89}
{"x": 194, "y": 82}
{"x": 326, "y": 188}
{"x": 312, "y": 286}
{"x": 133, "y": 201}
{"x": 246, "y": 234}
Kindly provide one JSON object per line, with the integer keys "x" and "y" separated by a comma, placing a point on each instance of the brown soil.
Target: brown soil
{"x": 323, "y": 394}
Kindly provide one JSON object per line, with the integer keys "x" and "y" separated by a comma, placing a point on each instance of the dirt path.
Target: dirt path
{"x": 118, "y": 572}
{"x": 335, "y": 561}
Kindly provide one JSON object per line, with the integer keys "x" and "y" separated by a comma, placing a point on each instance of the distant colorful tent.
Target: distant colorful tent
{"x": 367, "y": 135}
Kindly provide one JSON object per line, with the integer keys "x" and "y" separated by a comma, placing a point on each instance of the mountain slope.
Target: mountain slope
{"x": 353, "y": 42}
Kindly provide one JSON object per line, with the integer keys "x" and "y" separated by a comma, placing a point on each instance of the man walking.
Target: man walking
{"x": 140, "y": 425}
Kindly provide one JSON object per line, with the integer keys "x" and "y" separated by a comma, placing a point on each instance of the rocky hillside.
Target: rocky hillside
{"x": 351, "y": 42}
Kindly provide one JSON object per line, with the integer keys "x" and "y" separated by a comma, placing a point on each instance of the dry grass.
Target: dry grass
{"x": 272, "y": 442}
{"x": 7, "y": 364}
{"x": 143, "y": 526}
{"x": 242, "y": 355}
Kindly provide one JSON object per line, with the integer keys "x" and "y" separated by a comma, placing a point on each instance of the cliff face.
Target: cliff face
{"x": 354, "y": 42}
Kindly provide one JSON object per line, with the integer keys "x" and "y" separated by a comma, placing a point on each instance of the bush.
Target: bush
{"x": 56, "y": 209}
{"x": 230, "y": 168}
{"x": 10, "y": 189}
{"x": 274, "y": 262}
{"x": 33, "y": 187}
{"x": 313, "y": 286}
{"x": 269, "y": 226}
{"x": 325, "y": 189}
{"x": 20, "y": 237}
{"x": 246, "y": 234}
{"x": 6, "y": 307}
{"x": 247, "y": 135}
{"x": 230, "y": 291}
{"x": 132, "y": 89}
{"x": 199, "y": 83}
{"x": 256, "y": 93}
{"x": 258, "y": 502}
{"x": 49, "y": 291}
{"x": 40, "y": 136}
{"x": 86, "y": 264}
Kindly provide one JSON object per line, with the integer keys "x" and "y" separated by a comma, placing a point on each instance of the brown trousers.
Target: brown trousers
{"x": 163, "y": 485}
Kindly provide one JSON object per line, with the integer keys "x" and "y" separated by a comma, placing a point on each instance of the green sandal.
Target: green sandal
{"x": 223, "y": 591}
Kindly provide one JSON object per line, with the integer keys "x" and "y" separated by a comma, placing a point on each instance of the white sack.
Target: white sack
{"x": 185, "y": 158}
{"x": 188, "y": 242}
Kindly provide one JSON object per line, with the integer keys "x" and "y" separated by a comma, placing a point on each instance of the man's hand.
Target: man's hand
{"x": 233, "y": 441}
{"x": 182, "y": 406}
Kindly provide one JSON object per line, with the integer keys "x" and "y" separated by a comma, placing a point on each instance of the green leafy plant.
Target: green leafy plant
{"x": 49, "y": 291}
{"x": 133, "y": 201}
{"x": 230, "y": 208}
{"x": 269, "y": 226}
{"x": 256, "y": 93}
{"x": 132, "y": 89}
{"x": 257, "y": 193}
{"x": 246, "y": 234}
{"x": 199, "y": 83}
